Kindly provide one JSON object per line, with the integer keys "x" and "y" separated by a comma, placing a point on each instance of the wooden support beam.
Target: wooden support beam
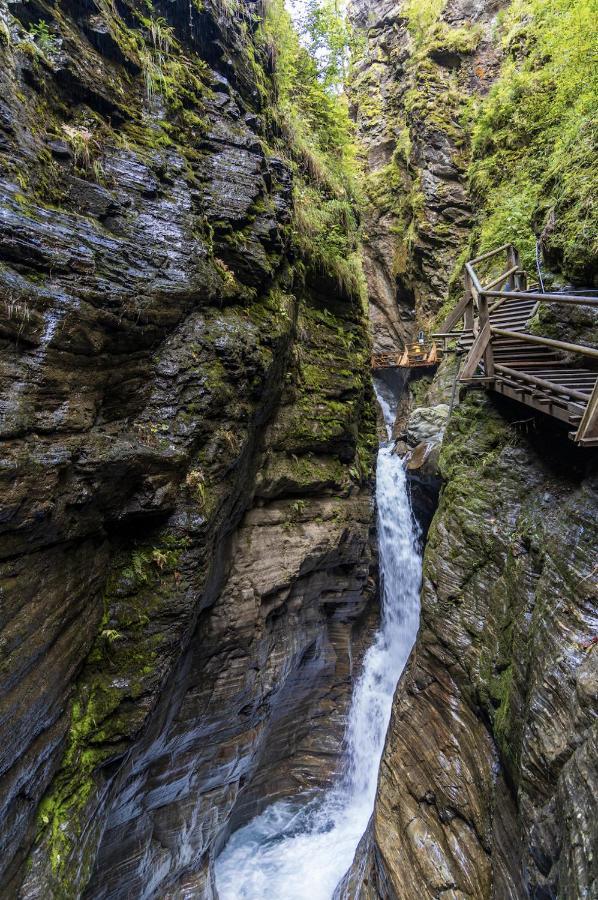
{"x": 557, "y": 412}
{"x": 565, "y": 346}
{"x": 551, "y": 386}
{"x": 474, "y": 356}
{"x": 532, "y": 392}
{"x": 484, "y": 317}
{"x": 513, "y": 257}
{"x": 588, "y": 427}
{"x": 458, "y": 312}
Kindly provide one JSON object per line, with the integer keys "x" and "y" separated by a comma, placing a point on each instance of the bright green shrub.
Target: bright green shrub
{"x": 535, "y": 137}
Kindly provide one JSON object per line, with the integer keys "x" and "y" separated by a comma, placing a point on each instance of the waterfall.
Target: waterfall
{"x": 387, "y": 402}
{"x": 295, "y": 852}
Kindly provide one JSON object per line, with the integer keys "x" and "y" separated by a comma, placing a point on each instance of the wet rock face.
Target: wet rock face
{"x": 161, "y": 363}
{"x": 263, "y": 690}
{"x": 488, "y": 778}
{"x": 409, "y": 89}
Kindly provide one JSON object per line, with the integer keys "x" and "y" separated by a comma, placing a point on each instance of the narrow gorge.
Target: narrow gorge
{"x": 274, "y": 624}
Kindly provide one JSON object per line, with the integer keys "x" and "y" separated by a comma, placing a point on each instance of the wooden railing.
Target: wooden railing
{"x": 475, "y": 309}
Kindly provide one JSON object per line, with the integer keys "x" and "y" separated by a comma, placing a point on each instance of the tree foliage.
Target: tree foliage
{"x": 313, "y": 116}
{"x": 535, "y": 137}
{"x": 327, "y": 37}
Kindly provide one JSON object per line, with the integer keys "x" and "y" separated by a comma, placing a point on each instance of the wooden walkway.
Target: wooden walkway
{"x": 414, "y": 355}
{"x": 554, "y": 377}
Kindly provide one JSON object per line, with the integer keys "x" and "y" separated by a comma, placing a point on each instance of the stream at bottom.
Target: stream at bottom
{"x": 292, "y": 852}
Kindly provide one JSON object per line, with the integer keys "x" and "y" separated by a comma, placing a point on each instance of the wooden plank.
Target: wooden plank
{"x": 522, "y": 317}
{"x": 535, "y": 363}
{"x": 446, "y": 334}
{"x": 567, "y": 378}
{"x": 513, "y": 311}
{"x": 475, "y": 354}
{"x": 567, "y": 370}
{"x": 504, "y": 318}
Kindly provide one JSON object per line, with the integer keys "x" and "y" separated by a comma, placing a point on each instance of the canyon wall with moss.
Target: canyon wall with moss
{"x": 488, "y": 779}
{"x": 187, "y": 431}
{"x": 477, "y": 122}
{"x": 417, "y": 67}
{"x": 187, "y": 436}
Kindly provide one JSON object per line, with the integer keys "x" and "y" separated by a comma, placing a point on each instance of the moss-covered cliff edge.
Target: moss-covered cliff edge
{"x": 477, "y": 122}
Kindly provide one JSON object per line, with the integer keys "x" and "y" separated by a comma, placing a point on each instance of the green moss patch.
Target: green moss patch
{"x": 534, "y": 136}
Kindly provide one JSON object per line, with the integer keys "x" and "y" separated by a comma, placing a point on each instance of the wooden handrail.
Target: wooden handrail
{"x": 490, "y": 253}
{"x": 474, "y": 278}
{"x": 544, "y": 298}
{"x": 542, "y": 383}
{"x": 499, "y": 278}
{"x": 565, "y": 346}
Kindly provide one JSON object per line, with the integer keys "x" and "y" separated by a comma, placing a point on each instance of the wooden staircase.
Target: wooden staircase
{"x": 554, "y": 377}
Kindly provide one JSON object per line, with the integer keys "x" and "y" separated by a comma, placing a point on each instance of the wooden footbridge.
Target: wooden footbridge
{"x": 421, "y": 353}
{"x": 555, "y": 377}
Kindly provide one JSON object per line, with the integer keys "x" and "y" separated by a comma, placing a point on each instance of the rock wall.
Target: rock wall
{"x": 418, "y": 66}
{"x": 187, "y": 434}
{"x": 489, "y": 774}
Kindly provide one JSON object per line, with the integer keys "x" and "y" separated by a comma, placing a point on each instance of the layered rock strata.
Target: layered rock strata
{"x": 186, "y": 437}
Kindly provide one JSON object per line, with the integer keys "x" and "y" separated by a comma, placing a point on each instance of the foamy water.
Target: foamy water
{"x": 293, "y": 852}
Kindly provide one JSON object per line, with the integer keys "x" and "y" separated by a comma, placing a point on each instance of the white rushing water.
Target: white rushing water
{"x": 388, "y": 405}
{"x": 293, "y": 852}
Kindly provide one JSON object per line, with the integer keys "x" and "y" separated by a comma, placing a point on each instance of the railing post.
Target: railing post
{"x": 484, "y": 319}
{"x": 515, "y": 282}
{"x": 475, "y": 306}
{"x": 588, "y": 427}
{"x": 468, "y": 313}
